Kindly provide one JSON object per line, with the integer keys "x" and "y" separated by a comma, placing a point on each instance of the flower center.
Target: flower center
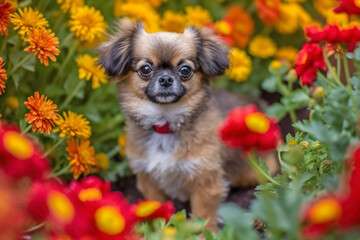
{"x": 90, "y": 194}
{"x": 145, "y": 209}
{"x": 60, "y": 207}
{"x": 257, "y": 122}
{"x": 109, "y": 220}
{"x": 325, "y": 211}
{"x": 18, "y": 145}
{"x": 357, "y": 3}
{"x": 223, "y": 27}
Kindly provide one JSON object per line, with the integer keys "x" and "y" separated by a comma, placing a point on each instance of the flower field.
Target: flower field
{"x": 62, "y": 134}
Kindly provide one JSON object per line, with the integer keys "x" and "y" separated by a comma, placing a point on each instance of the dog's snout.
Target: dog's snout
{"x": 166, "y": 81}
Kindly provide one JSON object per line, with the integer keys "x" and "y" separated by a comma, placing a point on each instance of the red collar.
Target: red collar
{"x": 163, "y": 129}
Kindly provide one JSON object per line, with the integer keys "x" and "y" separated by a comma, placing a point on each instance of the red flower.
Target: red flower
{"x": 334, "y": 35}
{"x": 348, "y": 6}
{"x": 5, "y": 10}
{"x": 268, "y": 10}
{"x": 335, "y": 211}
{"x": 310, "y": 58}
{"x": 148, "y": 209}
{"x": 250, "y": 129}
{"x": 19, "y": 157}
{"x": 90, "y": 189}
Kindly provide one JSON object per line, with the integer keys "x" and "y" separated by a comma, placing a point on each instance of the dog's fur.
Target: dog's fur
{"x": 191, "y": 163}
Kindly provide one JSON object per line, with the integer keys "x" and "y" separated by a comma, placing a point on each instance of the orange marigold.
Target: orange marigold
{"x": 81, "y": 156}
{"x": 2, "y": 76}
{"x": 42, "y": 113}
{"x": 44, "y": 43}
{"x": 268, "y": 10}
{"x": 5, "y": 10}
{"x": 243, "y": 26}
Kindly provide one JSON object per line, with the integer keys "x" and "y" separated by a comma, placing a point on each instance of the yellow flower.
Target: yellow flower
{"x": 262, "y": 47}
{"x": 140, "y": 11}
{"x": 12, "y": 102}
{"x": 323, "y": 6}
{"x": 70, "y": 5}
{"x": 173, "y": 22}
{"x": 341, "y": 19}
{"x": 240, "y": 65}
{"x": 292, "y": 17}
{"x": 295, "y": 1}
{"x": 14, "y": 3}
{"x": 197, "y": 16}
{"x": 122, "y": 143}
{"x": 102, "y": 160}
{"x": 73, "y": 125}
{"x": 87, "y": 23}
{"x": 88, "y": 68}
{"x": 27, "y": 19}
{"x": 81, "y": 156}
{"x": 152, "y": 3}
{"x": 287, "y": 53}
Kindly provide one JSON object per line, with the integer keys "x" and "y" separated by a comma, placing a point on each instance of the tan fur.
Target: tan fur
{"x": 192, "y": 159}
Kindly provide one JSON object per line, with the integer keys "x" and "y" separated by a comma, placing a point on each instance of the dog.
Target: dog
{"x": 163, "y": 82}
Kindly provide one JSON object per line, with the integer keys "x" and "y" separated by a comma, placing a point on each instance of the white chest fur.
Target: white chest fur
{"x": 168, "y": 173}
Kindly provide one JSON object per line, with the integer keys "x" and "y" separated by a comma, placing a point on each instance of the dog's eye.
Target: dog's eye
{"x": 185, "y": 71}
{"x": 145, "y": 71}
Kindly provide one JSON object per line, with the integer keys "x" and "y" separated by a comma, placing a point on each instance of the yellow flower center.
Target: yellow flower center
{"x": 304, "y": 58}
{"x": 90, "y": 194}
{"x": 325, "y": 211}
{"x": 275, "y": 65}
{"x": 109, "y": 220}
{"x": 257, "y": 122}
{"x": 18, "y": 145}
{"x": 145, "y": 209}
{"x": 291, "y": 142}
{"x": 223, "y": 27}
{"x": 60, "y": 207}
{"x": 357, "y": 3}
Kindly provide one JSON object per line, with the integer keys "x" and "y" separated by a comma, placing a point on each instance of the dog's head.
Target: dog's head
{"x": 163, "y": 66}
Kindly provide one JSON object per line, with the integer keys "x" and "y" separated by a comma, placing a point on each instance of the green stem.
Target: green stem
{"x": 61, "y": 172}
{"x": 113, "y": 152}
{"x": 17, "y": 66}
{"x": 329, "y": 66}
{"x": 338, "y": 67}
{"x": 54, "y": 147}
{"x": 67, "y": 59}
{"x": 27, "y": 129}
{"x": 282, "y": 88}
{"x": 349, "y": 85}
{"x": 3, "y": 45}
{"x": 292, "y": 115}
{"x": 58, "y": 22}
{"x": 325, "y": 79}
{"x": 35, "y": 227}
{"x": 72, "y": 94}
{"x": 257, "y": 168}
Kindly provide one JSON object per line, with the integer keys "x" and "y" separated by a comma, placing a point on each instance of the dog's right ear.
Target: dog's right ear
{"x": 117, "y": 52}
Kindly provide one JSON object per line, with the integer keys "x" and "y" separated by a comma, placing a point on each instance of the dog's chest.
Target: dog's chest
{"x": 168, "y": 173}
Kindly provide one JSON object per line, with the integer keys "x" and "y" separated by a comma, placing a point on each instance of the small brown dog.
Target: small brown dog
{"x": 173, "y": 115}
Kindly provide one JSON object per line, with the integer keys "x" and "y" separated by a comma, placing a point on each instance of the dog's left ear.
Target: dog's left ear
{"x": 212, "y": 52}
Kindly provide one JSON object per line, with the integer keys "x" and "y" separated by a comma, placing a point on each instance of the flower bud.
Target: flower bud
{"x": 325, "y": 166}
{"x": 304, "y": 144}
{"x": 12, "y": 102}
{"x": 275, "y": 66}
{"x": 319, "y": 94}
{"x": 291, "y": 76}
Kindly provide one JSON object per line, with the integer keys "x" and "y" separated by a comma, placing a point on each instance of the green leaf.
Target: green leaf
{"x": 276, "y": 110}
{"x": 269, "y": 84}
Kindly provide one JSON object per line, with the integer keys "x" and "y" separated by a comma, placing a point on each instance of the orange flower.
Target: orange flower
{"x": 44, "y": 44}
{"x": 243, "y": 26}
{"x": 42, "y": 113}
{"x": 268, "y": 10}
{"x": 5, "y": 10}
{"x": 2, "y": 76}
{"x": 81, "y": 156}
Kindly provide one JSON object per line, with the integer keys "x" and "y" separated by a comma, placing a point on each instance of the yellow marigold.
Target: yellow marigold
{"x": 173, "y": 22}
{"x": 240, "y": 65}
{"x": 295, "y": 1}
{"x": 14, "y": 3}
{"x": 12, "y": 102}
{"x": 73, "y": 125}
{"x": 88, "y": 68}
{"x": 2, "y": 76}
{"x": 43, "y": 113}
{"x": 197, "y": 16}
{"x": 343, "y": 20}
{"x": 102, "y": 160}
{"x": 70, "y": 5}
{"x": 140, "y": 11}
{"x": 262, "y": 47}
{"x": 289, "y": 54}
{"x": 152, "y": 3}
{"x": 87, "y": 23}
{"x": 27, "y": 19}
{"x": 81, "y": 156}
{"x": 44, "y": 44}
{"x": 323, "y": 6}
{"x": 289, "y": 19}
{"x": 122, "y": 143}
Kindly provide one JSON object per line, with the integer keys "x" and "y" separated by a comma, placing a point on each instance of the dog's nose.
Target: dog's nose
{"x": 166, "y": 81}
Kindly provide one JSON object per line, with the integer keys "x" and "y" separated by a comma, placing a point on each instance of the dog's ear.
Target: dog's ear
{"x": 212, "y": 52}
{"x": 117, "y": 52}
